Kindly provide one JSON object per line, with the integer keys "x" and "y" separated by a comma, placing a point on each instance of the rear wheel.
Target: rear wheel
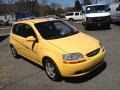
{"x": 52, "y": 70}
{"x": 71, "y": 20}
{"x": 14, "y": 52}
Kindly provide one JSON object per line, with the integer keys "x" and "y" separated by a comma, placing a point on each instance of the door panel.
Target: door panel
{"x": 30, "y": 49}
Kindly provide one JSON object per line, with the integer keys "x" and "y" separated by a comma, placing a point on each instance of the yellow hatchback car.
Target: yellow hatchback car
{"x": 57, "y": 46}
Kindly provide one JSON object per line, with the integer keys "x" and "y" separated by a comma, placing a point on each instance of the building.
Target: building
{"x": 7, "y": 17}
{"x": 10, "y": 18}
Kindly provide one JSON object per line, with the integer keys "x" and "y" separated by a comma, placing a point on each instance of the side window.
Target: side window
{"x": 80, "y": 13}
{"x": 118, "y": 8}
{"x": 14, "y": 30}
{"x": 23, "y": 30}
{"x": 76, "y": 14}
{"x": 17, "y": 29}
{"x": 29, "y": 31}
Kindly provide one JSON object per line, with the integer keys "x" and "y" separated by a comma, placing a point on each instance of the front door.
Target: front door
{"x": 30, "y": 49}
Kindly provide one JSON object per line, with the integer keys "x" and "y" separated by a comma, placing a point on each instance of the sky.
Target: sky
{"x": 71, "y": 2}
{"x": 63, "y": 2}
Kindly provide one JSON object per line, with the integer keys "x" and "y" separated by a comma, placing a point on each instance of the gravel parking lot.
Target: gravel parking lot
{"x": 21, "y": 74}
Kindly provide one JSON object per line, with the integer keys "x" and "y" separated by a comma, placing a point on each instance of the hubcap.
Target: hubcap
{"x": 50, "y": 70}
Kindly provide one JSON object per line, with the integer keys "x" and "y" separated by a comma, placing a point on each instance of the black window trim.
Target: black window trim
{"x": 24, "y": 27}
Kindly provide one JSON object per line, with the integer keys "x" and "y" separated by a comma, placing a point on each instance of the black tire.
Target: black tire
{"x": 83, "y": 23}
{"x": 108, "y": 26}
{"x": 86, "y": 26}
{"x": 52, "y": 70}
{"x": 71, "y": 20}
{"x": 14, "y": 52}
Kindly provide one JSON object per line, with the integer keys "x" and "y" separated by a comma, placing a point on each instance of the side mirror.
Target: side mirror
{"x": 30, "y": 38}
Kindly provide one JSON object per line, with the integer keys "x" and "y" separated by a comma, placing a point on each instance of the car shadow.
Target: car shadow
{"x": 97, "y": 28}
{"x": 2, "y": 38}
{"x": 31, "y": 62}
{"x": 116, "y": 23}
{"x": 79, "y": 79}
{"x": 87, "y": 77}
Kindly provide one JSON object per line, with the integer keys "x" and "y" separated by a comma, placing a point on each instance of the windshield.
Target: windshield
{"x": 96, "y": 9}
{"x": 55, "y": 29}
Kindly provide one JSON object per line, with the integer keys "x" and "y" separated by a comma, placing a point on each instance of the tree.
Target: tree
{"x": 44, "y": 2}
{"x": 87, "y": 2}
{"x": 78, "y": 6}
{"x": 35, "y": 7}
{"x": 1, "y": 1}
{"x": 55, "y": 7}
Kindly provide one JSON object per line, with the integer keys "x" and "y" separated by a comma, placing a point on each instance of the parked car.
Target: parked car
{"x": 3, "y": 23}
{"x": 96, "y": 15}
{"x": 115, "y": 11}
{"x": 73, "y": 16}
{"x": 57, "y": 46}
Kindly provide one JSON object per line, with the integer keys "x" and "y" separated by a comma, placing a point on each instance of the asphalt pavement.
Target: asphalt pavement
{"x": 21, "y": 74}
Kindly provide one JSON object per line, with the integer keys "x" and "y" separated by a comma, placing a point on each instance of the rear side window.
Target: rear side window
{"x": 17, "y": 29}
{"x": 76, "y": 14}
{"x": 23, "y": 30}
{"x": 69, "y": 14}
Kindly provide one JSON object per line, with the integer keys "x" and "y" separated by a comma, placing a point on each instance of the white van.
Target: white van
{"x": 73, "y": 16}
{"x": 96, "y": 15}
{"x": 115, "y": 11}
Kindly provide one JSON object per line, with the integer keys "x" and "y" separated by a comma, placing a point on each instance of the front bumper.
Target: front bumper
{"x": 81, "y": 68}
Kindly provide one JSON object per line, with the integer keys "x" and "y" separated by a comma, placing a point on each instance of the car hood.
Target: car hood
{"x": 76, "y": 43}
{"x": 102, "y": 14}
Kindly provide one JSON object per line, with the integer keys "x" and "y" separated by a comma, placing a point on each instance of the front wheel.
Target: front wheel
{"x": 86, "y": 26}
{"x": 52, "y": 70}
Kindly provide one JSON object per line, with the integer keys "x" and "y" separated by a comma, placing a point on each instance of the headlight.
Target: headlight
{"x": 73, "y": 56}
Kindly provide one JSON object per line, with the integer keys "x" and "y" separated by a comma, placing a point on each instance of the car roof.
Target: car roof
{"x": 94, "y": 5}
{"x": 36, "y": 20}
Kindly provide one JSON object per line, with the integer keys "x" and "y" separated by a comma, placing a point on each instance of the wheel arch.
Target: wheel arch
{"x": 47, "y": 57}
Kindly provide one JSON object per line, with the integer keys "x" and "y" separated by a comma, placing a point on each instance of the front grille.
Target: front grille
{"x": 99, "y": 19}
{"x": 93, "y": 53}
